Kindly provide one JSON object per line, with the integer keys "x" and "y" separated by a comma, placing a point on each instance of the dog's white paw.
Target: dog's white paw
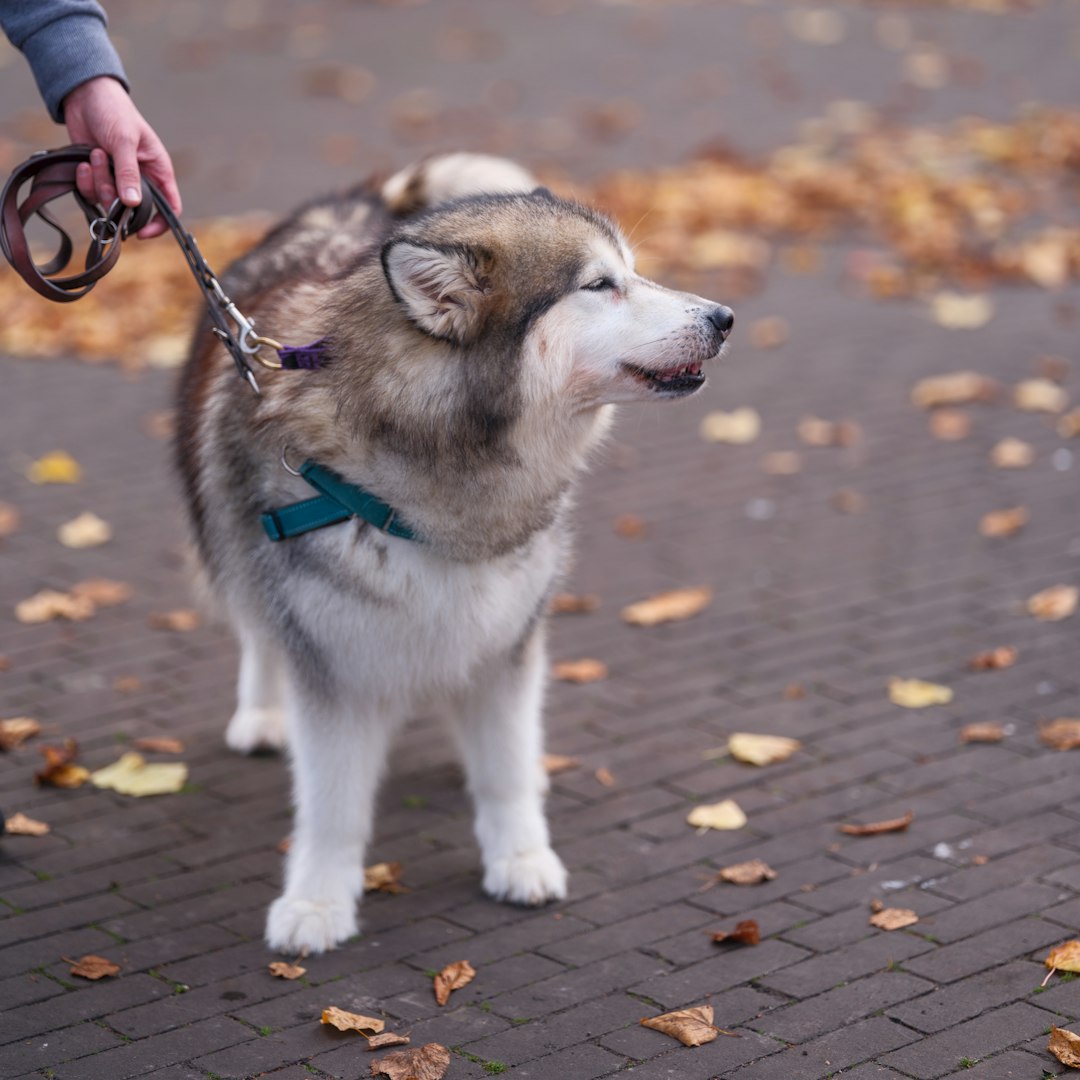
{"x": 294, "y": 925}
{"x": 253, "y": 729}
{"x": 531, "y": 878}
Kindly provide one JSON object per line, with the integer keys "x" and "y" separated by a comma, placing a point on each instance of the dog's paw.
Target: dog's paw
{"x": 253, "y": 729}
{"x": 295, "y": 925}
{"x": 531, "y": 878}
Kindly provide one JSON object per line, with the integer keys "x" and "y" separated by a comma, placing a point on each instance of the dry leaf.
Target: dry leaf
{"x": 387, "y": 1038}
{"x": 982, "y": 732}
{"x": 603, "y": 776}
{"x": 877, "y": 827}
{"x": 569, "y": 604}
{"x": 630, "y": 526}
{"x": 60, "y": 769}
{"x": 427, "y": 1062}
{"x": 131, "y": 775}
{"x": 794, "y": 692}
{"x": 58, "y": 467}
{"x": 9, "y": 519}
{"x": 769, "y": 332}
{"x": 893, "y": 918}
{"x": 1053, "y": 604}
{"x": 752, "y": 872}
{"x": 348, "y": 1021}
{"x": 817, "y": 432}
{"x": 956, "y": 388}
{"x": 281, "y": 970}
{"x": 182, "y": 620}
{"x": 1068, "y": 427}
{"x": 1064, "y": 957}
{"x": 761, "y": 749}
{"x": 348, "y": 82}
{"x": 998, "y": 523}
{"x": 745, "y": 933}
{"x": 557, "y": 763}
{"x": 1004, "y": 656}
{"x": 93, "y": 967}
{"x": 1012, "y": 453}
{"x": 102, "y": 592}
{"x": 950, "y": 425}
{"x": 816, "y": 25}
{"x": 917, "y": 694}
{"x": 158, "y": 745}
{"x": 579, "y": 671}
{"x": 668, "y": 606}
{"x": 722, "y": 815}
{"x": 87, "y": 530}
{"x": 16, "y": 731}
{"x": 50, "y": 604}
{"x": 955, "y": 311}
{"x": 1063, "y": 734}
{"x": 1040, "y": 395}
{"x": 846, "y": 501}
{"x": 452, "y": 977}
{"x": 127, "y": 684}
{"x": 1065, "y": 1046}
{"x": 21, "y": 825}
{"x": 781, "y": 463}
{"x": 384, "y": 877}
{"x": 692, "y": 1027}
{"x": 737, "y": 428}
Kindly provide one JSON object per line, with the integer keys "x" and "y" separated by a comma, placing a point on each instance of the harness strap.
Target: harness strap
{"x": 337, "y": 501}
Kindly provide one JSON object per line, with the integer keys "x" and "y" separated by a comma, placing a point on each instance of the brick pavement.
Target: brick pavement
{"x": 175, "y": 889}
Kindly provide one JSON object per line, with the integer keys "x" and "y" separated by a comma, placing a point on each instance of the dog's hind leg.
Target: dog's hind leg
{"x": 499, "y": 730}
{"x": 259, "y": 720}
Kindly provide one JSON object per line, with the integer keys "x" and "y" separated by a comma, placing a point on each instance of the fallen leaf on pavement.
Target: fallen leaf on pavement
{"x": 1063, "y": 734}
{"x": 603, "y": 776}
{"x": 1004, "y": 656}
{"x": 745, "y": 933}
{"x": 956, "y": 311}
{"x": 579, "y": 671}
{"x": 998, "y": 523}
{"x": 918, "y": 694}
{"x": 131, "y": 775}
{"x": 348, "y": 1021}
{"x": 761, "y": 749}
{"x": 1012, "y": 453}
{"x": 102, "y": 592}
{"x": 794, "y": 692}
{"x": 1064, "y": 957}
{"x": 875, "y": 828}
{"x": 769, "y": 332}
{"x": 384, "y": 877}
{"x": 16, "y": 731}
{"x": 60, "y": 769}
{"x": 453, "y": 977}
{"x": 49, "y": 604}
{"x": 568, "y": 604}
{"x": 21, "y": 825}
{"x": 93, "y": 967}
{"x": 781, "y": 463}
{"x": 752, "y": 872}
{"x": 87, "y": 530}
{"x": 1040, "y": 395}
{"x": 1068, "y": 427}
{"x": 182, "y": 620}
{"x": 1065, "y": 1046}
{"x": 982, "y": 732}
{"x": 1053, "y": 604}
{"x": 950, "y": 425}
{"x": 956, "y": 388}
{"x": 668, "y": 606}
{"x": 59, "y": 467}
{"x": 427, "y": 1062}
{"x": 127, "y": 684}
{"x": 557, "y": 763}
{"x": 847, "y": 501}
{"x": 722, "y": 815}
{"x": 737, "y": 428}
{"x": 817, "y": 432}
{"x": 158, "y": 745}
{"x": 9, "y": 519}
{"x": 629, "y": 526}
{"x": 387, "y": 1038}
{"x": 893, "y": 918}
{"x": 692, "y": 1027}
{"x": 281, "y": 970}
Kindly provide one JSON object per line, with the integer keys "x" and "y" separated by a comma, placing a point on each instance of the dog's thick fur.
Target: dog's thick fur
{"x": 479, "y": 331}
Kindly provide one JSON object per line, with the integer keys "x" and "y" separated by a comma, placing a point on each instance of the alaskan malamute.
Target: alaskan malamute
{"x": 474, "y": 333}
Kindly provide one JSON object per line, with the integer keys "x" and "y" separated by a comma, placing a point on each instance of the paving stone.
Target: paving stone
{"x": 718, "y": 1058}
{"x": 1013, "y": 1065}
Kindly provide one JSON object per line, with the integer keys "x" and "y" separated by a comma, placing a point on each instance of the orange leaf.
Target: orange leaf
{"x": 93, "y": 967}
{"x": 580, "y": 671}
{"x": 877, "y": 827}
{"x": 453, "y": 977}
{"x": 348, "y": 1021}
{"x": 745, "y": 933}
{"x": 668, "y": 606}
{"x": 427, "y": 1062}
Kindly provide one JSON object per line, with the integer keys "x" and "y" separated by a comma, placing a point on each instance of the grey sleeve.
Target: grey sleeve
{"x": 65, "y": 42}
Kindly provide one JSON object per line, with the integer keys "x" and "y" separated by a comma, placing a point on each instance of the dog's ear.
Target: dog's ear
{"x": 443, "y": 289}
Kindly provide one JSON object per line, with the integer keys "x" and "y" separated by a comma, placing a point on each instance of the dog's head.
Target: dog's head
{"x": 550, "y": 286}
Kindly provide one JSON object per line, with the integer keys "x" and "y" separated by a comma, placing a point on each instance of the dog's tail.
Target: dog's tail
{"x": 445, "y": 177}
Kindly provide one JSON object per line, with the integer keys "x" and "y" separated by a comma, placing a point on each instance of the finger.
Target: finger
{"x": 84, "y": 181}
{"x": 126, "y": 168}
{"x": 156, "y": 227}
{"x": 159, "y": 168}
{"x": 105, "y": 190}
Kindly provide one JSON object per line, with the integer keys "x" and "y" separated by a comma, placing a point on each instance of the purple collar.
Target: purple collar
{"x": 306, "y": 357}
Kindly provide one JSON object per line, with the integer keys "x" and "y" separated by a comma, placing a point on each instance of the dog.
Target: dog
{"x": 478, "y": 332}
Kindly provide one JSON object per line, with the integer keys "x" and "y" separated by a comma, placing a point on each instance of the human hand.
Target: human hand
{"x": 100, "y": 113}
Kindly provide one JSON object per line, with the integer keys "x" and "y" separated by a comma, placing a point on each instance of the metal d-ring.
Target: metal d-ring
{"x": 104, "y": 223}
{"x": 285, "y": 462}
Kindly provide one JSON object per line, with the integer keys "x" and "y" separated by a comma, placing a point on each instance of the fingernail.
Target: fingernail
{"x": 132, "y": 195}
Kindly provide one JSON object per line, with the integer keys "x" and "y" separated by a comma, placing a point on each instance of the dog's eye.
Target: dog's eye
{"x": 599, "y": 285}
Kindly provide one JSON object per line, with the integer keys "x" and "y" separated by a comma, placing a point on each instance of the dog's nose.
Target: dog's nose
{"x": 723, "y": 318}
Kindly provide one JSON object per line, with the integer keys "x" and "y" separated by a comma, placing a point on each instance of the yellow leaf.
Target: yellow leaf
{"x": 131, "y": 775}
{"x": 956, "y": 388}
{"x": 1053, "y": 604}
{"x": 1065, "y": 1046}
{"x": 956, "y": 311}
{"x": 50, "y": 604}
{"x": 384, "y": 877}
{"x": 579, "y": 671}
{"x": 16, "y": 731}
{"x": 279, "y": 969}
{"x": 21, "y": 825}
{"x": 668, "y": 606}
{"x": 58, "y": 467}
{"x": 893, "y": 918}
{"x": 1012, "y": 453}
{"x": 347, "y": 1021}
{"x": 1040, "y": 395}
{"x": 761, "y": 749}
{"x": 1065, "y": 957}
{"x": 692, "y": 1027}
{"x": 917, "y": 694}
{"x": 87, "y": 530}
{"x": 1063, "y": 734}
{"x": 722, "y": 815}
{"x": 738, "y": 427}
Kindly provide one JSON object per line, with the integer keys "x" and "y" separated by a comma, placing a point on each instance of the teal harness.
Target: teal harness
{"x": 337, "y": 501}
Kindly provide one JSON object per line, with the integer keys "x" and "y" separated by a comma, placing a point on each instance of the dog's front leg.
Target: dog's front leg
{"x": 499, "y": 730}
{"x": 337, "y": 757}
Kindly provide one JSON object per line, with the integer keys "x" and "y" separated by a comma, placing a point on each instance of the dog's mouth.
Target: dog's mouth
{"x": 680, "y": 379}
